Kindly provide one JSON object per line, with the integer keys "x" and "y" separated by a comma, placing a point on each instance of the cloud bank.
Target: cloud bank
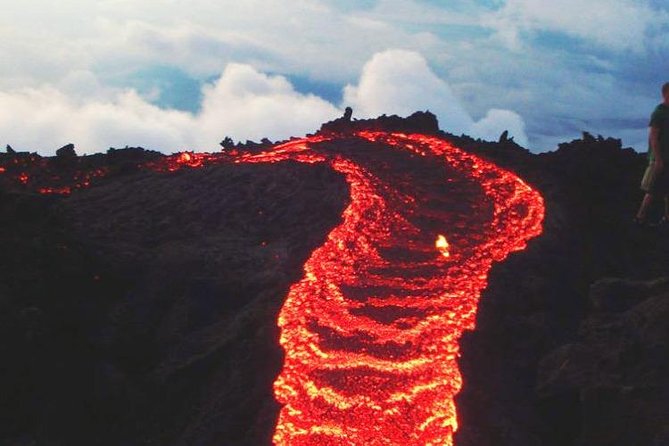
{"x": 401, "y": 82}
{"x": 565, "y": 67}
{"x": 611, "y": 24}
{"x": 242, "y": 103}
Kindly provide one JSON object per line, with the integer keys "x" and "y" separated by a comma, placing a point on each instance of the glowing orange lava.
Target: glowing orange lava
{"x": 371, "y": 331}
{"x": 442, "y": 245}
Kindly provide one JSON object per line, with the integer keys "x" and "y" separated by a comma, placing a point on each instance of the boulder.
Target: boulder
{"x": 66, "y": 152}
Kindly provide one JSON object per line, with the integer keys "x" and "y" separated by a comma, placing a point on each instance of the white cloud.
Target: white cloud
{"x": 81, "y": 48}
{"x": 614, "y": 24}
{"x": 243, "y": 103}
{"x": 496, "y": 121}
{"x": 401, "y": 82}
{"x": 43, "y": 41}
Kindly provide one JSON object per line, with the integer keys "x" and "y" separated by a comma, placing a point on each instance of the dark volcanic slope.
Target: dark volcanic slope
{"x": 572, "y": 357}
{"x": 143, "y": 311}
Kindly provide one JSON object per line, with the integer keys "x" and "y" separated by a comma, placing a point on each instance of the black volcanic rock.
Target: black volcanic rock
{"x": 504, "y": 137}
{"x": 129, "y": 159}
{"x": 66, "y": 152}
{"x": 227, "y": 143}
{"x": 616, "y": 295}
{"x": 616, "y": 370}
{"x": 143, "y": 311}
{"x": 538, "y": 299}
{"x": 419, "y": 122}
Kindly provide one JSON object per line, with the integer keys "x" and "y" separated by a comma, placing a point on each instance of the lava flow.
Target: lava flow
{"x": 371, "y": 332}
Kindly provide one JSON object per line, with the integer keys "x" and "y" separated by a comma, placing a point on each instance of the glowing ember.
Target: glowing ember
{"x": 442, "y": 246}
{"x": 371, "y": 331}
{"x": 54, "y": 190}
{"x": 191, "y": 159}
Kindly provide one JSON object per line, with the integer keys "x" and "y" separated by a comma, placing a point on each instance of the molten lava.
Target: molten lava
{"x": 442, "y": 246}
{"x": 371, "y": 331}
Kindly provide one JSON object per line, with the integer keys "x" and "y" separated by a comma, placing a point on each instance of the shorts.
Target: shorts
{"x": 656, "y": 183}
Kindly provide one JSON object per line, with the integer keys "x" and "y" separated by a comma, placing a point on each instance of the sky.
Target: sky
{"x": 176, "y": 75}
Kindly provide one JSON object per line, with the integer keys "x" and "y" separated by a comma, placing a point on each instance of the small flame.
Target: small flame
{"x": 442, "y": 245}
{"x": 185, "y": 158}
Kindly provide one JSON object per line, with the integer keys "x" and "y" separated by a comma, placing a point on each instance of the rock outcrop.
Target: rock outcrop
{"x": 538, "y": 302}
{"x": 613, "y": 377}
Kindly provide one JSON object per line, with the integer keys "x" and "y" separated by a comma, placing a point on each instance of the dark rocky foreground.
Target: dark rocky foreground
{"x": 574, "y": 331}
{"x": 142, "y": 311}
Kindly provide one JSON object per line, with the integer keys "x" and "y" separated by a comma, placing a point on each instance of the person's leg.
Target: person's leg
{"x": 664, "y": 192}
{"x": 643, "y": 209}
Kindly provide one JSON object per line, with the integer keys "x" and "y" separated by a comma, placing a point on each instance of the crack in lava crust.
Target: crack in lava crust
{"x": 371, "y": 332}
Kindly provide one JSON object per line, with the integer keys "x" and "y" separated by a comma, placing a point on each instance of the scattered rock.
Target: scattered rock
{"x": 228, "y": 143}
{"x": 617, "y": 374}
{"x": 66, "y": 152}
{"x": 616, "y": 294}
{"x": 504, "y": 137}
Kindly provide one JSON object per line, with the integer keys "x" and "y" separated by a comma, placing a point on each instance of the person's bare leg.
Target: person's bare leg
{"x": 643, "y": 209}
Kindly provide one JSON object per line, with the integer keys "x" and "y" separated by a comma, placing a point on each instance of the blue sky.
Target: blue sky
{"x": 176, "y": 74}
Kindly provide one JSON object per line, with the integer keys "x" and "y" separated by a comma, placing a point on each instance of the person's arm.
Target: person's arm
{"x": 654, "y": 139}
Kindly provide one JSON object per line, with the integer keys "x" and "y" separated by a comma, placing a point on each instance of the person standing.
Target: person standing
{"x": 655, "y": 181}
